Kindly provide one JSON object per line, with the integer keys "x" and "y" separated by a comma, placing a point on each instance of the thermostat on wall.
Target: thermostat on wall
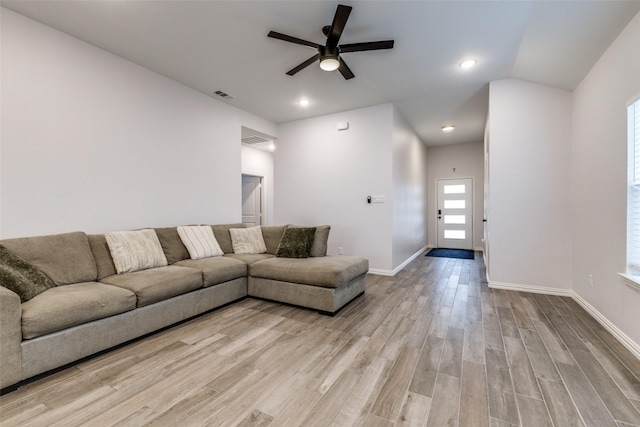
{"x": 342, "y": 125}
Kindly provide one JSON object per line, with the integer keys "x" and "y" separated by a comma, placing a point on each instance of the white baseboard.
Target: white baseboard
{"x": 479, "y": 249}
{"x": 532, "y": 289}
{"x": 396, "y": 270}
{"x": 624, "y": 339}
{"x": 379, "y": 272}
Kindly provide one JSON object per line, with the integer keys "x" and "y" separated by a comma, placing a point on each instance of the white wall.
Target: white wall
{"x": 468, "y": 161}
{"x": 529, "y": 223}
{"x": 323, "y": 176}
{"x": 409, "y": 191}
{"x": 93, "y": 142}
{"x": 599, "y": 159}
{"x": 260, "y": 163}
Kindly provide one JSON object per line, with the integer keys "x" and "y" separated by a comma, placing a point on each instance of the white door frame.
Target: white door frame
{"x": 437, "y": 225}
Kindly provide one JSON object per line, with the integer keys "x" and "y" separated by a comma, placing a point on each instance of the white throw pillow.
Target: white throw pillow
{"x": 247, "y": 240}
{"x": 199, "y": 241}
{"x": 135, "y": 250}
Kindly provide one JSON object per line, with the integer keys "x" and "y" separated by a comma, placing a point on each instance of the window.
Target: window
{"x": 454, "y": 189}
{"x": 633, "y": 195}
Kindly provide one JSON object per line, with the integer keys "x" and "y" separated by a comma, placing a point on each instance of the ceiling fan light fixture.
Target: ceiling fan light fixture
{"x": 329, "y": 58}
{"x": 329, "y": 63}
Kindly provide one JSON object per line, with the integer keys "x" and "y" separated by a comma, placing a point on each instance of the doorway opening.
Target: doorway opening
{"x": 251, "y": 200}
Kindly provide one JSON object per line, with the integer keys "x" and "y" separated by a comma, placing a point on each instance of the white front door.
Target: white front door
{"x": 455, "y": 213}
{"x": 251, "y": 200}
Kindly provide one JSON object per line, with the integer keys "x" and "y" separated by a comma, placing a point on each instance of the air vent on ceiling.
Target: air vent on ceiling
{"x": 254, "y": 139}
{"x": 224, "y": 95}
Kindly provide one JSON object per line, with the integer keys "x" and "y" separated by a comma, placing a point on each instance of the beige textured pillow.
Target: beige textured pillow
{"x": 199, "y": 241}
{"x": 135, "y": 250}
{"x": 247, "y": 240}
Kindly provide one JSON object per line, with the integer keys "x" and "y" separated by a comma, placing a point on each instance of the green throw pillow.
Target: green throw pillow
{"x": 296, "y": 243}
{"x": 19, "y": 276}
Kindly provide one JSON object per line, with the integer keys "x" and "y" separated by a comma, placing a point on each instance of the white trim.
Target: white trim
{"x": 486, "y": 269}
{"x": 379, "y": 272}
{"x": 630, "y": 280}
{"x": 631, "y": 345}
{"x": 532, "y": 289}
{"x": 396, "y": 270}
{"x": 478, "y": 249}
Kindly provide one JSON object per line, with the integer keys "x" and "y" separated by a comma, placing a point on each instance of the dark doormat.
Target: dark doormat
{"x": 451, "y": 253}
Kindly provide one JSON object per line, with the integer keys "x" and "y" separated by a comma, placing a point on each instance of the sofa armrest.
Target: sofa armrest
{"x": 10, "y": 338}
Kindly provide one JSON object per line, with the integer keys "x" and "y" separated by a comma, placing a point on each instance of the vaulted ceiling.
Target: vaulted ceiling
{"x": 223, "y": 45}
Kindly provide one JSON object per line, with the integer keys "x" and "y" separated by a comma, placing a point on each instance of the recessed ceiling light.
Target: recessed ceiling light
{"x": 303, "y": 102}
{"x": 468, "y": 63}
{"x": 448, "y": 128}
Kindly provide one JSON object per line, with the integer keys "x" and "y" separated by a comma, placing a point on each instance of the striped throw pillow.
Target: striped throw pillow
{"x": 199, "y": 241}
{"x": 135, "y": 250}
{"x": 248, "y": 240}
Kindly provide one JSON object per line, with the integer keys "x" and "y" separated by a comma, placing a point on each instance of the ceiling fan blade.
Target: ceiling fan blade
{"x": 339, "y": 21}
{"x": 290, "y": 39}
{"x": 360, "y": 47}
{"x": 344, "y": 70}
{"x": 305, "y": 64}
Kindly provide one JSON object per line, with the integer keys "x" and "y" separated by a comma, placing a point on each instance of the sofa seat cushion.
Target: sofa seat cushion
{"x": 216, "y": 270}
{"x": 62, "y": 307}
{"x": 328, "y": 271}
{"x": 157, "y": 284}
{"x": 250, "y": 258}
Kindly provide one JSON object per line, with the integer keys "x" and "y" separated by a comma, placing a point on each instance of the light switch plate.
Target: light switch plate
{"x": 377, "y": 199}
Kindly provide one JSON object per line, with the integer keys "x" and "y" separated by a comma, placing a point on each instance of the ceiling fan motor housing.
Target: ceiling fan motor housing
{"x": 329, "y": 54}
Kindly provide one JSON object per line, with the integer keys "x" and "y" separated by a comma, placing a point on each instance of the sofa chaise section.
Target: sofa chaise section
{"x": 323, "y": 283}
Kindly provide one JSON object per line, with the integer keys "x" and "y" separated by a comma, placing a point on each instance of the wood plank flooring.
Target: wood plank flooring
{"x": 432, "y": 346}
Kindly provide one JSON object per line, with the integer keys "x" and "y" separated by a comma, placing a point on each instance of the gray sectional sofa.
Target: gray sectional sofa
{"x": 91, "y": 308}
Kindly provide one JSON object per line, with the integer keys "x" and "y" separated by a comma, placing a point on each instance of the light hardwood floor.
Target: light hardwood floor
{"x": 432, "y": 346}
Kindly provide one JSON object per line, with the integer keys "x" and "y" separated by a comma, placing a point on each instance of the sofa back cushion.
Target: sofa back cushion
{"x": 102, "y": 255}
{"x": 272, "y": 235}
{"x": 171, "y": 244}
{"x": 65, "y": 258}
{"x": 223, "y": 237}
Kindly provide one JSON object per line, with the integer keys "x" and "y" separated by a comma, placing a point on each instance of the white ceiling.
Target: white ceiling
{"x": 223, "y": 45}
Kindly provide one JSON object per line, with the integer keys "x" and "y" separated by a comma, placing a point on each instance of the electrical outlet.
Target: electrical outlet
{"x": 591, "y": 280}
{"x": 340, "y": 251}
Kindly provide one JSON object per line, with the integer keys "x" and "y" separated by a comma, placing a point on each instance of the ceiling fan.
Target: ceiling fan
{"x": 329, "y": 54}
